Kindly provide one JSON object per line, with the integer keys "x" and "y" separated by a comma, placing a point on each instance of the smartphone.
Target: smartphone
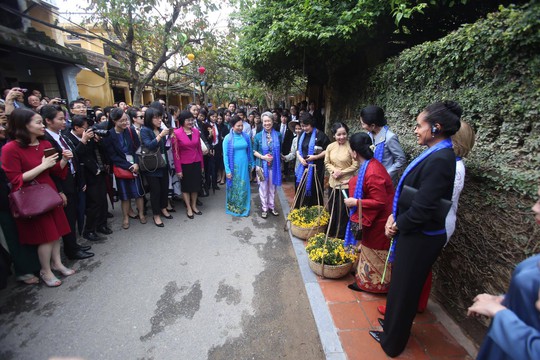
{"x": 50, "y": 151}
{"x": 345, "y": 195}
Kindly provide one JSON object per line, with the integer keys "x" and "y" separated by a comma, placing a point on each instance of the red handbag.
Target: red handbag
{"x": 34, "y": 200}
{"x": 120, "y": 173}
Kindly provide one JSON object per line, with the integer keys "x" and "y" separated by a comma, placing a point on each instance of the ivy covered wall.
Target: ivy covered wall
{"x": 492, "y": 68}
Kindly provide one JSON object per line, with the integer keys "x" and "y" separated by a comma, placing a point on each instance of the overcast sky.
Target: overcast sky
{"x": 73, "y": 10}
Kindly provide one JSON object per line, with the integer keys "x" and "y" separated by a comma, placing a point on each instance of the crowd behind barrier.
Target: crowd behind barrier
{"x": 153, "y": 157}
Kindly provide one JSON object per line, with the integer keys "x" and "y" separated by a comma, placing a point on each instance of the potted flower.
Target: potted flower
{"x": 328, "y": 257}
{"x": 308, "y": 221}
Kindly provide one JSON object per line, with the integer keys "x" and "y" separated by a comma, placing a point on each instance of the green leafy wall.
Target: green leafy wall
{"x": 492, "y": 68}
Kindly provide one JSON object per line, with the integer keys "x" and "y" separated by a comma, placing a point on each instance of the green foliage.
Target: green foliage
{"x": 278, "y": 36}
{"x": 492, "y": 68}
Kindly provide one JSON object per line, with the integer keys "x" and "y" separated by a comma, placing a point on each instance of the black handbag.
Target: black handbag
{"x": 150, "y": 160}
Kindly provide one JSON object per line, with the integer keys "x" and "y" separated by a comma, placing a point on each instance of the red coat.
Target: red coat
{"x": 378, "y": 195}
{"x": 17, "y": 160}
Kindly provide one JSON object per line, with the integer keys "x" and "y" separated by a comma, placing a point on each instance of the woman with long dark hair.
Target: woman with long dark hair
{"x": 417, "y": 223}
{"x": 24, "y": 162}
{"x": 152, "y": 138}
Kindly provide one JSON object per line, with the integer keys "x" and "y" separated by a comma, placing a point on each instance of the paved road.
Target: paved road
{"x": 215, "y": 287}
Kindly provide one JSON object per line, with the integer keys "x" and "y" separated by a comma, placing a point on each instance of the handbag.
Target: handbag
{"x": 259, "y": 173}
{"x": 34, "y": 200}
{"x": 120, "y": 173}
{"x": 204, "y": 148}
{"x": 150, "y": 160}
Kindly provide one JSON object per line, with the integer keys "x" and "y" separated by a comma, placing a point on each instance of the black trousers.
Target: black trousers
{"x": 415, "y": 255}
{"x": 70, "y": 240}
{"x": 96, "y": 203}
{"x": 159, "y": 189}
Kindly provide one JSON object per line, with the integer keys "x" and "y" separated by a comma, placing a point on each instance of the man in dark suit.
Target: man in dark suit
{"x": 91, "y": 158}
{"x": 287, "y": 135}
{"x": 55, "y": 122}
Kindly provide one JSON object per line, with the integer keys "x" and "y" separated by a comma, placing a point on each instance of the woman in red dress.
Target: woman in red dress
{"x": 372, "y": 192}
{"x": 23, "y": 161}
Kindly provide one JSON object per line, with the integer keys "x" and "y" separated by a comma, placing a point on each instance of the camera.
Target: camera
{"x": 99, "y": 132}
{"x": 91, "y": 116}
{"x": 63, "y": 101}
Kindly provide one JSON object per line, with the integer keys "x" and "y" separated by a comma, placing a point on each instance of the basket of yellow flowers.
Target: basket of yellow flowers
{"x": 328, "y": 257}
{"x": 308, "y": 221}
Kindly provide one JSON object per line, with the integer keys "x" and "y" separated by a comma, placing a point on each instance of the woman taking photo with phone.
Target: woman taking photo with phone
{"x": 24, "y": 162}
{"x": 153, "y": 139}
{"x": 121, "y": 145}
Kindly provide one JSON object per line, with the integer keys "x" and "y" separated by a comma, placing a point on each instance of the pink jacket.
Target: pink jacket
{"x": 186, "y": 151}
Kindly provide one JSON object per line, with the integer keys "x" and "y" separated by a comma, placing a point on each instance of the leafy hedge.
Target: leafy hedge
{"x": 492, "y": 68}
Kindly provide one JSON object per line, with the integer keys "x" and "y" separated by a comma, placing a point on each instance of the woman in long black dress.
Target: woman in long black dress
{"x": 418, "y": 226}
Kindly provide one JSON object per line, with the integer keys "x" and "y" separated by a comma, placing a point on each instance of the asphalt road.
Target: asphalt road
{"x": 215, "y": 287}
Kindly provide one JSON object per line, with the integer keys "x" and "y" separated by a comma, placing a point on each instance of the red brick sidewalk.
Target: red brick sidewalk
{"x": 355, "y": 313}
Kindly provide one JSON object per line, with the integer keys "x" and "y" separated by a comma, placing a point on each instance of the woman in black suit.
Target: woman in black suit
{"x": 418, "y": 227}
{"x": 121, "y": 145}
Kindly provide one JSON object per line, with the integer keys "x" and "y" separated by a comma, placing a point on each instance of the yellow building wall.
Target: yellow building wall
{"x": 94, "y": 87}
{"x": 45, "y": 14}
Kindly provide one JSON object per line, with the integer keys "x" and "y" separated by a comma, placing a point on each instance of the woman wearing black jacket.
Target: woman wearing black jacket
{"x": 418, "y": 226}
{"x": 121, "y": 145}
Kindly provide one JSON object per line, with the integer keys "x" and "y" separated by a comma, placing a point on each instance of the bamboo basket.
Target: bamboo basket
{"x": 306, "y": 233}
{"x": 330, "y": 271}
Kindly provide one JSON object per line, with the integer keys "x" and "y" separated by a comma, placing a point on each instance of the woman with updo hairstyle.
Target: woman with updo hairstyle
{"x": 417, "y": 223}
{"x": 388, "y": 151}
{"x": 238, "y": 161}
{"x": 341, "y": 167}
{"x": 370, "y": 203}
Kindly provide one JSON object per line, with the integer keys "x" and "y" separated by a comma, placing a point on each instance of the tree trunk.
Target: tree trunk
{"x": 137, "y": 94}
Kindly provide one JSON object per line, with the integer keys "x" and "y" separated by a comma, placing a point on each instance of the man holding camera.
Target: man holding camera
{"x": 91, "y": 160}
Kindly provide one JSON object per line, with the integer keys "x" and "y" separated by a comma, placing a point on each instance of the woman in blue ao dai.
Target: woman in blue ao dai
{"x": 238, "y": 161}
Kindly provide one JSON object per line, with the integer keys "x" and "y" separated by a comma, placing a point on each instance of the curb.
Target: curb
{"x": 325, "y": 325}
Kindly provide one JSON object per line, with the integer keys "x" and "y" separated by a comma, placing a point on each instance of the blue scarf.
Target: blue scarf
{"x": 379, "y": 148}
{"x": 445, "y": 144}
{"x": 230, "y": 152}
{"x": 276, "y": 162}
{"x": 358, "y": 194}
{"x": 301, "y": 168}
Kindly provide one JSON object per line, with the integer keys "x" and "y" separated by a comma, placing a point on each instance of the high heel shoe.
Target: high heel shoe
{"x": 190, "y": 216}
{"x": 133, "y": 216}
{"x": 167, "y": 217}
{"x": 159, "y": 225}
{"x": 65, "y": 271}
{"x": 142, "y": 220}
{"x": 52, "y": 282}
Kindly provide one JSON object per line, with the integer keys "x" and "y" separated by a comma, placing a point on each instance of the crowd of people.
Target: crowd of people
{"x": 397, "y": 218}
